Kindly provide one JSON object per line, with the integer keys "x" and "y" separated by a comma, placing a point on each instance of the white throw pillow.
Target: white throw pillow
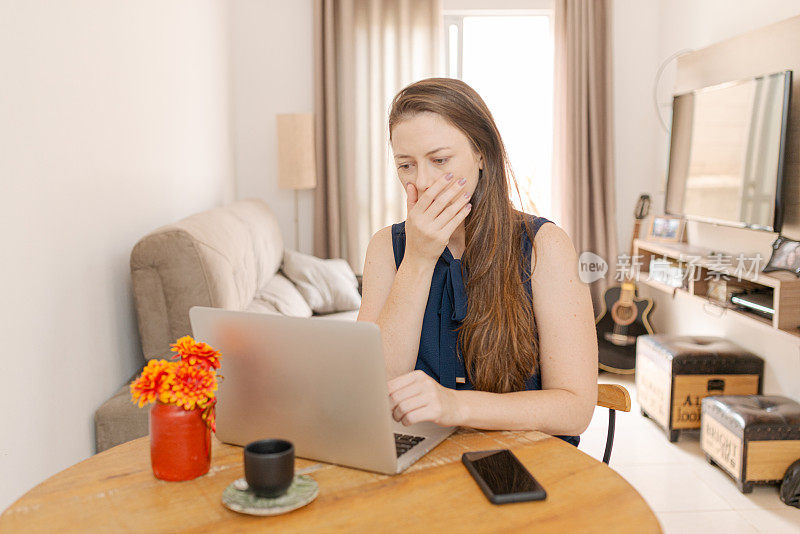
{"x": 281, "y": 294}
{"x": 327, "y": 285}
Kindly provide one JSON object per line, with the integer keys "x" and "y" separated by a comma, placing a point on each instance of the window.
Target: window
{"x": 507, "y": 57}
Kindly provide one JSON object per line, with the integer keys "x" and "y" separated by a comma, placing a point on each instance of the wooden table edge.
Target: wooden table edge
{"x": 533, "y": 437}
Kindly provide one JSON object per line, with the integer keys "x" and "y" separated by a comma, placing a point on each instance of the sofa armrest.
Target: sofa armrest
{"x": 119, "y": 420}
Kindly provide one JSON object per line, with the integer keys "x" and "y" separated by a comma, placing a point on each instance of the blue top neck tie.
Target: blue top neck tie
{"x": 454, "y": 297}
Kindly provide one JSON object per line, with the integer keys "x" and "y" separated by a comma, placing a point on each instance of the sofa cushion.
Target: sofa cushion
{"x": 218, "y": 258}
{"x": 283, "y": 296}
{"x": 327, "y": 285}
{"x": 265, "y": 237}
{"x": 351, "y": 315}
{"x": 261, "y": 306}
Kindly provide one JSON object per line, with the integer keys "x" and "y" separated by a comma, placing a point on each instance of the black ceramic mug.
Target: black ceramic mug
{"x": 269, "y": 466}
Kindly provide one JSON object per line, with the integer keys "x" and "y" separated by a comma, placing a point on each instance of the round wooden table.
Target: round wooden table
{"x": 115, "y": 491}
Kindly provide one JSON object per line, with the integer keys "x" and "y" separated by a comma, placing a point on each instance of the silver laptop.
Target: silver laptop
{"x": 319, "y": 383}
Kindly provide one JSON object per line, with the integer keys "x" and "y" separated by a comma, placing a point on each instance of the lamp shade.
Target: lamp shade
{"x": 297, "y": 167}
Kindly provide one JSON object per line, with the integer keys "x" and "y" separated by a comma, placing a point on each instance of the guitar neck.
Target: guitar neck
{"x": 637, "y": 223}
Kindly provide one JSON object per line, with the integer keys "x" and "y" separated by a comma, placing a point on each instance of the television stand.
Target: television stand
{"x": 702, "y": 265}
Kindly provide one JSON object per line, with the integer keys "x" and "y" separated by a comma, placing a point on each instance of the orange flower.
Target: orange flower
{"x": 194, "y": 387}
{"x": 195, "y": 353}
{"x": 190, "y": 382}
{"x": 155, "y": 382}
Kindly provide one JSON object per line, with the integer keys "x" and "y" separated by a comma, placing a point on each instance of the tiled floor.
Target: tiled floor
{"x": 687, "y": 494}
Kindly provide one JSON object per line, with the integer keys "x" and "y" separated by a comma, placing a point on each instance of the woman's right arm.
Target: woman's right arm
{"x": 395, "y": 298}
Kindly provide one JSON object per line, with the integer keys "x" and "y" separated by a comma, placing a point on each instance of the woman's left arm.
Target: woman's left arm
{"x": 564, "y": 316}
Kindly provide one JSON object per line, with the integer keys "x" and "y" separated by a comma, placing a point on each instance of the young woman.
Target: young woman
{"x": 483, "y": 319}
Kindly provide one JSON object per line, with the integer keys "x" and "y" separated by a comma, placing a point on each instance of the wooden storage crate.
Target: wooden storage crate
{"x": 754, "y": 438}
{"x": 674, "y": 374}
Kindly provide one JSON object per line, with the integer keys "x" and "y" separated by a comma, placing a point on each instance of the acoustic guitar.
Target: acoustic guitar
{"x": 625, "y": 315}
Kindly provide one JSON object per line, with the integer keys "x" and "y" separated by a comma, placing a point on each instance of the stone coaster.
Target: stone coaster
{"x": 240, "y": 498}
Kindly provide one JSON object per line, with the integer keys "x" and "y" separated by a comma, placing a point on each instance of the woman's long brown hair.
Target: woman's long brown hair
{"x": 498, "y": 334}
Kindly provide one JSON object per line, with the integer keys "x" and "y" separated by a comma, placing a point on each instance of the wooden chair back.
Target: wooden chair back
{"x": 614, "y": 397}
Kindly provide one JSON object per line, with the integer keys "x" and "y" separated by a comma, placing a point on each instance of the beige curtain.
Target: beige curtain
{"x": 583, "y": 163}
{"x": 365, "y": 51}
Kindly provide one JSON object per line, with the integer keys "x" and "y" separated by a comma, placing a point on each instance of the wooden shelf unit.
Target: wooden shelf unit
{"x": 785, "y": 285}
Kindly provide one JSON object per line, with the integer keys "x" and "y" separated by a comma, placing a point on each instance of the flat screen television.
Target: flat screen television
{"x": 726, "y": 153}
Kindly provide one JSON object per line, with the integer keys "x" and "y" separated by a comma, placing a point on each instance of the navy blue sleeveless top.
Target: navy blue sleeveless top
{"x": 447, "y": 308}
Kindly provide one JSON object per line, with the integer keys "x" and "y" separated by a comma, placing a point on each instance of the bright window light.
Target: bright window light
{"x": 508, "y": 60}
{"x": 452, "y": 31}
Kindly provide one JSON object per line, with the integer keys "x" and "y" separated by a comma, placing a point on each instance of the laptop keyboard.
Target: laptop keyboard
{"x": 403, "y": 443}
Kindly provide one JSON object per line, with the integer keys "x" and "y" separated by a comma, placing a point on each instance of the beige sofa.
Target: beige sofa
{"x": 228, "y": 257}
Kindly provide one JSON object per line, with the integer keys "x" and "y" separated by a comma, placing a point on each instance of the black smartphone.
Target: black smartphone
{"x": 502, "y": 477}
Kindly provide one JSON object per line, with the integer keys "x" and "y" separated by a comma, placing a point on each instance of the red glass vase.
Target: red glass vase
{"x": 180, "y": 442}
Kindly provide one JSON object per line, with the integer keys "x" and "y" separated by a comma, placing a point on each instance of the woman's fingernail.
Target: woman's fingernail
{"x": 462, "y": 181}
{"x": 448, "y": 176}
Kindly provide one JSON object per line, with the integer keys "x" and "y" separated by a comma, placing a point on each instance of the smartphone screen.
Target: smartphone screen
{"x": 502, "y": 477}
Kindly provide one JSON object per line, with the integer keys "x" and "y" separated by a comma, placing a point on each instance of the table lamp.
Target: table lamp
{"x": 296, "y": 158}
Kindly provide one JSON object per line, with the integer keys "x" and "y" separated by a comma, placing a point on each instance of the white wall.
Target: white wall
{"x": 114, "y": 120}
{"x": 635, "y": 26}
{"x": 272, "y": 66}
{"x": 645, "y": 34}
